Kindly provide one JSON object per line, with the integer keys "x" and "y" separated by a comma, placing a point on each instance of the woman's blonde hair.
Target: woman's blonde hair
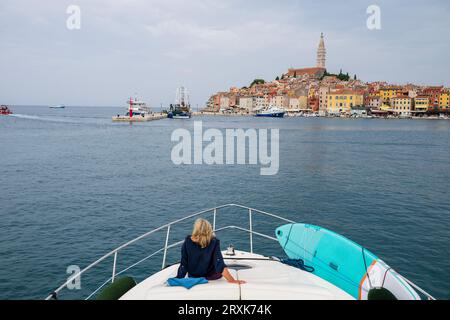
{"x": 202, "y": 233}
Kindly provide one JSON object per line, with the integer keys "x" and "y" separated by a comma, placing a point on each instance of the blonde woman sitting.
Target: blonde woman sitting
{"x": 201, "y": 256}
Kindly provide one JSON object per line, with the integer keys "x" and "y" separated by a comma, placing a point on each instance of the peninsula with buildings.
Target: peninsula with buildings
{"x": 315, "y": 92}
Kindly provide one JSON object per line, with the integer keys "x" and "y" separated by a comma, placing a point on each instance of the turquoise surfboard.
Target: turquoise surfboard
{"x": 341, "y": 261}
{"x": 335, "y": 258}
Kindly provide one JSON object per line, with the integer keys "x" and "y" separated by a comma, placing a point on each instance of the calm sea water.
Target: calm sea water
{"x": 74, "y": 186}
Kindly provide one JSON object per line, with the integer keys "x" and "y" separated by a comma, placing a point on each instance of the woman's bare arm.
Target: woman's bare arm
{"x": 227, "y": 275}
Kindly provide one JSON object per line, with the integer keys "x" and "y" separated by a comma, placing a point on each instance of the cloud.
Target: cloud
{"x": 250, "y": 37}
{"x": 207, "y": 45}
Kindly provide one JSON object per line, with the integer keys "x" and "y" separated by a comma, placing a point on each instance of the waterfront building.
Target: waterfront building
{"x": 421, "y": 104}
{"x": 313, "y": 104}
{"x": 373, "y": 102}
{"x": 401, "y": 105}
{"x": 323, "y": 99}
{"x": 260, "y": 103}
{"x": 280, "y": 101}
{"x": 342, "y": 101}
{"x": 444, "y": 101}
{"x": 293, "y": 105}
{"x": 312, "y": 92}
{"x": 214, "y": 102}
{"x": 433, "y": 94}
{"x": 224, "y": 103}
{"x": 303, "y": 102}
{"x": 387, "y": 93}
{"x": 246, "y": 103}
{"x": 308, "y": 89}
{"x": 298, "y": 104}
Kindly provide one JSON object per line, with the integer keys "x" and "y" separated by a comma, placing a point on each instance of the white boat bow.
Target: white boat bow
{"x": 267, "y": 278}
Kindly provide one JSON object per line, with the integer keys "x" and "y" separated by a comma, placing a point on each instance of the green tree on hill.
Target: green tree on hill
{"x": 257, "y": 81}
{"x": 341, "y": 76}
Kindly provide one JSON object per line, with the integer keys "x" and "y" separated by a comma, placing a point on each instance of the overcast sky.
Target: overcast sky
{"x": 151, "y": 47}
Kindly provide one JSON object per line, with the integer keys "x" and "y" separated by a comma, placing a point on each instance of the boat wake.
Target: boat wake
{"x": 41, "y": 118}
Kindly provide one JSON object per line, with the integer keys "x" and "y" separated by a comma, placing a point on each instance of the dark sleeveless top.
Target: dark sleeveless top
{"x": 200, "y": 262}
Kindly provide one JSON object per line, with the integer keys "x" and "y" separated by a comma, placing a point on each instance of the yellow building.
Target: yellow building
{"x": 342, "y": 101}
{"x": 444, "y": 101}
{"x": 421, "y": 104}
{"x": 303, "y": 102}
{"x": 311, "y": 93}
{"x": 387, "y": 93}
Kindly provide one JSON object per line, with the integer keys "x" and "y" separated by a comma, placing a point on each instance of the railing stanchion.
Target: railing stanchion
{"x": 214, "y": 218}
{"x": 165, "y": 247}
{"x": 114, "y": 267}
{"x": 251, "y": 229}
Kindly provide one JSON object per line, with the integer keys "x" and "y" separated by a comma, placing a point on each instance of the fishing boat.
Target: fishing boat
{"x": 272, "y": 111}
{"x": 316, "y": 264}
{"x": 4, "y": 111}
{"x": 136, "y": 111}
{"x": 182, "y": 108}
{"x": 58, "y": 107}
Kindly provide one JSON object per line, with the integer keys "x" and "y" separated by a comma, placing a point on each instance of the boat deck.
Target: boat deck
{"x": 265, "y": 279}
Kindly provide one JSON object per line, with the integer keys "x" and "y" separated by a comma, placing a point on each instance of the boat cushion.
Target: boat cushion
{"x": 156, "y": 288}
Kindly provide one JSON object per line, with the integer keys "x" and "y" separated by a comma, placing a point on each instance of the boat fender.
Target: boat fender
{"x": 117, "y": 289}
{"x": 380, "y": 294}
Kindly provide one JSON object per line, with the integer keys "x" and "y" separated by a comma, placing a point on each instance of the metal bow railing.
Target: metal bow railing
{"x": 167, "y": 246}
{"x": 114, "y": 253}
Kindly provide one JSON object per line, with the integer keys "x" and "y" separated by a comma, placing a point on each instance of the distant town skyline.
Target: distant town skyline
{"x": 152, "y": 47}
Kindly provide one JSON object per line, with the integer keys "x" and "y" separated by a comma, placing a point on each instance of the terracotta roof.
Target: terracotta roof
{"x": 348, "y": 91}
{"x": 303, "y": 71}
{"x": 434, "y": 88}
{"x": 391, "y": 88}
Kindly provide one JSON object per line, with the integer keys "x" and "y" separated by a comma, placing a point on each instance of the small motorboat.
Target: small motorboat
{"x": 4, "y": 111}
{"x": 179, "y": 112}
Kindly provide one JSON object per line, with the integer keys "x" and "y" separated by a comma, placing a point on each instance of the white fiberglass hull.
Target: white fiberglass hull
{"x": 266, "y": 279}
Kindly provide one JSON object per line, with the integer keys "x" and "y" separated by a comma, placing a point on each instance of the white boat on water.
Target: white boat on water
{"x": 136, "y": 111}
{"x": 318, "y": 265}
{"x": 60, "y": 106}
